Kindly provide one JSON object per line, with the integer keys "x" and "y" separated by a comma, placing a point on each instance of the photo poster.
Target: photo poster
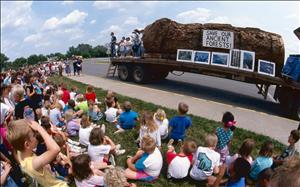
{"x": 235, "y": 56}
{"x": 266, "y": 68}
{"x": 202, "y": 57}
{"x": 248, "y": 60}
{"x": 218, "y": 39}
{"x": 220, "y": 59}
{"x": 184, "y": 55}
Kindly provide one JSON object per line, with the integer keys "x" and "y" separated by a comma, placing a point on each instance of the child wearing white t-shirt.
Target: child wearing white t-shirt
{"x": 162, "y": 122}
{"x": 179, "y": 164}
{"x": 147, "y": 163}
{"x": 85, "y": 130}
{"x": 111, "y": 113}
{"x": 100, "y": 146}
{"x": 206, "y": 161}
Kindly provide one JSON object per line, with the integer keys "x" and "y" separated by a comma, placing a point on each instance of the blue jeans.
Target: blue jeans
{"x": 113, "y": 50}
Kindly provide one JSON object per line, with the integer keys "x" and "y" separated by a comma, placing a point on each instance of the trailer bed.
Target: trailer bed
{"x": 211, "y": 70}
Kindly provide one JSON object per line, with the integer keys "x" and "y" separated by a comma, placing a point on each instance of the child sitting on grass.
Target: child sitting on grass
{"x": 85, "y": 130}
{"x": 94, "y": 112}
{"x": 90, "y": 94}
{"x": 100, "y": 146}
{"x": 85, "y": 175}
{"x": 206, "y": 161}
{"x": 263, "y": 161}
{"x": 21, "y": 134}
{"x": 289, "y": 150}
{"x": 147, "y": 162}
{"x": 149, "y": 127}
{"x": 225, "y": 135}
{"x": 55, "y": 116}
{"x": 82, "y": 105}
{"x": 162, "y": 122}
{"x": 244, "y": 152}
{"x": 72, "y": 124}
{"x": 111, "y": 113}
{"x": 179, "y": 124}
{"x": 179, "y": 164}
{"x": 264, "y": 178}
{"x": 127, "y": 119}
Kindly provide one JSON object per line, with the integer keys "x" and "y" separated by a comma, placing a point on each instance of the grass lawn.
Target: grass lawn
{"x": 200, "y": 127}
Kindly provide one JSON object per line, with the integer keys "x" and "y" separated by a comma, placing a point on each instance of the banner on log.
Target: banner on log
{"x": 217, "y": 39}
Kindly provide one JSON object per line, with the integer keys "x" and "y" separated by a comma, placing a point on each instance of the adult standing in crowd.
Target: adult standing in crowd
{"x": 68, "y": 67}
{"x": 136, "y": 47}
{"x": 74, "y": 65}
{"x": 113, "y": 45}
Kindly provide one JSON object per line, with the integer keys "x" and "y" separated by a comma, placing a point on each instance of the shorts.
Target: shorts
{"x": 223, "y": 153}
{"x": 141, "y": 175}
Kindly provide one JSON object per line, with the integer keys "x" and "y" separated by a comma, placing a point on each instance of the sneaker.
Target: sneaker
{"x": 118, "y": 146}
{"x": 119, "y": 131}
{"x": 171, "y": 141}
{"x": 120, "y": 152}
{"x": 112, "y": 160}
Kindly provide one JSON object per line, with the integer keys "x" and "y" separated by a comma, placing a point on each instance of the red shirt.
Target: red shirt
{"x": 66, "y": 96}
{"x": 90, "y": 96}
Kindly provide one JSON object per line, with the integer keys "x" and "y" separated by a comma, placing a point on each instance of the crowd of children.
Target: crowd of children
{"x": 54, "y": 136}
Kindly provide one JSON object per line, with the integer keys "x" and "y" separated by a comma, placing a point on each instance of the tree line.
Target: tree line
{"x": 84, "y": 50}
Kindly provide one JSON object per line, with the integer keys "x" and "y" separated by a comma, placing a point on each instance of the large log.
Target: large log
{"x": 164, "y": 37}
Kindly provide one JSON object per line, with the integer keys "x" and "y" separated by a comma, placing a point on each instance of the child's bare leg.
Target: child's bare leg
{"x": 211, "y": 180}
{"x": 129, "y": 174}
{"x": 99, "y": 165}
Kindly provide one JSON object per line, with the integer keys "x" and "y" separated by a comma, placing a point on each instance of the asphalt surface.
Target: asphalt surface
{"x": 235, "y": 93}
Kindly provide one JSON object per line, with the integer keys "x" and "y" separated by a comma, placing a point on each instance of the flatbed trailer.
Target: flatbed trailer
{"x": 147, "y": 69}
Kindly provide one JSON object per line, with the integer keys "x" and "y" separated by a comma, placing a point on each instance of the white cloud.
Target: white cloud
{"x": 51, "y": 23}
{"x": 15, "y": 14}
{"x": 92, "y": 21}
{"x": 113, "y": 28}
{"x": 220, "y": 19}
{"x": 131, "y": 21}
{"x": 101, "y": 5}
{"x": 33, "y": 38}
{"x": 199, "y": 15}
{"x": 67, "y": 2}
{"x": 74, "y": 18}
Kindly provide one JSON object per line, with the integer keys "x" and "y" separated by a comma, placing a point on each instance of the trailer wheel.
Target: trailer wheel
{"x": 124, "y": 73}
{"x": 140, "y": 74}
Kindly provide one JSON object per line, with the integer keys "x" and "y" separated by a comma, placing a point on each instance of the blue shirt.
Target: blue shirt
{"x": 260, "y": 164}
{"x": 224, "y": 137}
{"x": 179, "y": 124}
{"x": 127, "y": 119}
{"x": 139, "y": 165}
{"x": 239, "y": 183}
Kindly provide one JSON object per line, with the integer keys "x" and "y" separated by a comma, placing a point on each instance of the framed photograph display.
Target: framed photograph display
{"x": 266, "y": 68}
{"x": 235, "y": 58}
{"x": 202, "y": 57}
{"x": 247, "y": 60}
{"x": 220, "y": 59}
{"x": 184, "y": 55}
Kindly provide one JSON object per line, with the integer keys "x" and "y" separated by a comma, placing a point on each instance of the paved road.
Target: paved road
{"x": 220, "y": 90}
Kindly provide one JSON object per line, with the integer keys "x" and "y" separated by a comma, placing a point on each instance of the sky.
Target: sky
{"x": 44, "y": 27}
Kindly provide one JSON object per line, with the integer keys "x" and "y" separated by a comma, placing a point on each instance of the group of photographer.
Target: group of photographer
{"x": 130, "y": 46}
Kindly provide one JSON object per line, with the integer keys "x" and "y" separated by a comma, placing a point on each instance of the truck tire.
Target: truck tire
{"x": 140, "y": 75}
{"x": 124, "y": 73}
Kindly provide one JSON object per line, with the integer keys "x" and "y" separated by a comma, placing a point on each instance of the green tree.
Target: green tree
{"x": 33, "y": 59}
{"x": 99, "y": 51}
{"x": 4, "y": 61}
{"x": 19, "y": 62}
{"x": 42, "y": 58}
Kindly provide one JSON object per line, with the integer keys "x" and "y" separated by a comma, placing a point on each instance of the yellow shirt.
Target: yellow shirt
{"x": 43, "y": 177}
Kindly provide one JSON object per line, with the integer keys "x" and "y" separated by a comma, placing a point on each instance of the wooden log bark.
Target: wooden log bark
{"x": 165, "y": 36}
